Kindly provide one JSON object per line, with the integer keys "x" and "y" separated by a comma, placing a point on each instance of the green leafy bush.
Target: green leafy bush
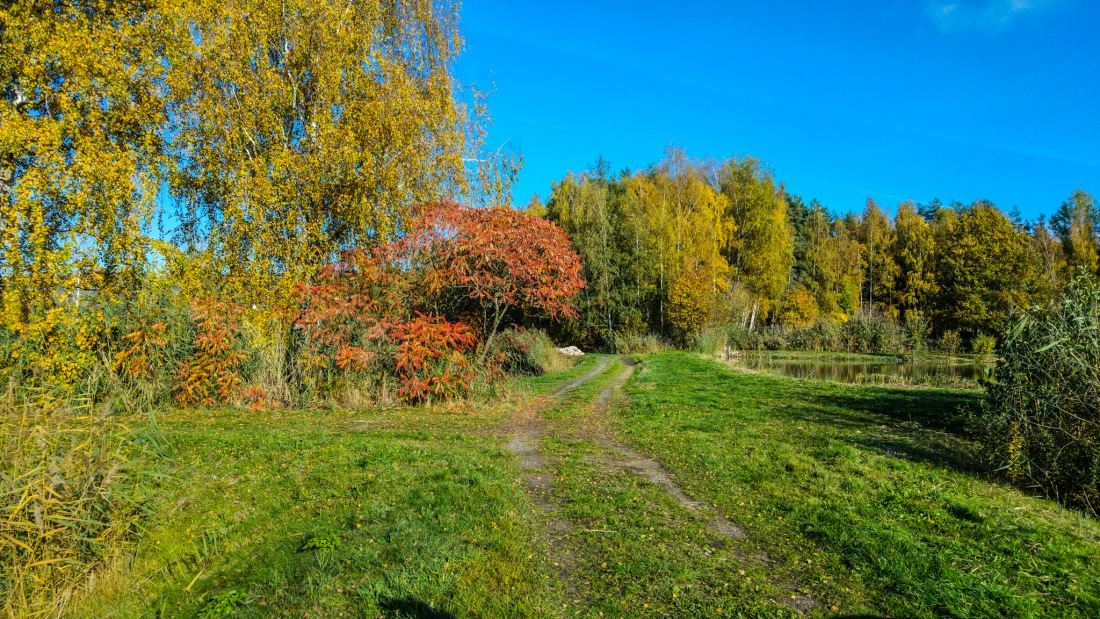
{"x": 950, "y": 342}
{"x": 984, "y": 345}
{"x": 1041, "y": 423}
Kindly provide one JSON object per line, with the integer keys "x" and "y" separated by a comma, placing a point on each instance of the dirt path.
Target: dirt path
{"x": 599, "y": 430}
{"x": 525, "y": 432}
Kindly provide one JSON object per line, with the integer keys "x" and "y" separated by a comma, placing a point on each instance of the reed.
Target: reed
{"x": 74, "y": 487}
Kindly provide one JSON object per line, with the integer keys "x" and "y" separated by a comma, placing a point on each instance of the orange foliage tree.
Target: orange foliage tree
{"x": 212, "y": 374}
{"x": 498, "y": 258}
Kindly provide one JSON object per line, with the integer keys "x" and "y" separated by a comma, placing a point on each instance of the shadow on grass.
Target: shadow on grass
{"x": 927, "y": 427}
{"x": 408, "y": 608}
{"x": 943, "y": 411}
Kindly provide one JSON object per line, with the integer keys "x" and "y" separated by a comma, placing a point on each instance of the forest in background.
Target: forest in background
{"x": 688, "y": 245}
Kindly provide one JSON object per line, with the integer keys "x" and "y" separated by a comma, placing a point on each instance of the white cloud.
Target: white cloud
{"x": 987, "y": 15}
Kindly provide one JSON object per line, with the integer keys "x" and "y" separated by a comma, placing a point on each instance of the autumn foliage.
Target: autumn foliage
{"x": 500, "y": 260}
{"x": 430, "y": 359}
{"x": 212, "y": 374}
{"x": 416, "y": 307}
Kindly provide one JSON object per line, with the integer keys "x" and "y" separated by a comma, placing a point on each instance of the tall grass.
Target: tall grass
{"x": 74, "y": 486}
{"x": 1042, "y": 419}
{"x": 710, "y": 341}
{"x": 638, "y": 344}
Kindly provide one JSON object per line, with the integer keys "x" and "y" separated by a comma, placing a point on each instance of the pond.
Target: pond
{"x": 866, "y": 369}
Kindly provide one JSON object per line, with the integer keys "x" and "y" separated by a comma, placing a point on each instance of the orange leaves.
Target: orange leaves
{"x": 145, "y": 343}
{"x": 502, "y": 256}
{"x": 353, "y": 358}
{"x": 212, "y": 374}
{"x": 346, "y": 314}
{"x": 430, "y": 362}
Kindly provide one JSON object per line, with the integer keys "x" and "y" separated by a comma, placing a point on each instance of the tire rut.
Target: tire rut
{"x": 524, "y": 432}
{"x": 527, "y": 429}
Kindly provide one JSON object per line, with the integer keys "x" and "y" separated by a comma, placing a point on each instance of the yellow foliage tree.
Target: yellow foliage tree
{"x": 761, "y": 249}
{"x": 799, "y": 308}
{"x": 306, "y": 127}
{"x": 80, "y": 147}
{"x": 690, "y": 299}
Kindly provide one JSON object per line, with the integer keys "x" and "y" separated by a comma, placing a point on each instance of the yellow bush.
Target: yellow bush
{"x": 690, "y": 299}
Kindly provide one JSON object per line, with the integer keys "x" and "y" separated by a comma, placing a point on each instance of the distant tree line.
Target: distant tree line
{"x": 686, "y": 244}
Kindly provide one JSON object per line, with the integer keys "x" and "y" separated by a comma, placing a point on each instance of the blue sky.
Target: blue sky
{"x": 892, "y": 99}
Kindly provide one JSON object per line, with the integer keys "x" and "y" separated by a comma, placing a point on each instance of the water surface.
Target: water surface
{"x": 861, "y": 369}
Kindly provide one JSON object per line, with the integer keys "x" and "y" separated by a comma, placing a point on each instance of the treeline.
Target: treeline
{"x": 684, "y": 245}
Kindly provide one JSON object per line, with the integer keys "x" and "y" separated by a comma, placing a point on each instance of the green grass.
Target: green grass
{"x": 875, "y": 486}
{"x": 865, "y": 498}
{"x": 318, "y": 513}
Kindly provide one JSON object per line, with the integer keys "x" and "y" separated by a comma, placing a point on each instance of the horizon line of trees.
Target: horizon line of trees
{"x": 686, "y": 244}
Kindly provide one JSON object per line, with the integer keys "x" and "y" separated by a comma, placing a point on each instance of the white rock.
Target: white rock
{"x": 571, "y": 351}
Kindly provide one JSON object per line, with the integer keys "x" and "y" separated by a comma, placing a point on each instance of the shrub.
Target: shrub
{"x": 1042, "y": 418}
{"x": 690, "y": 298}
{"x": 917, "y": 330}
{"x": 212, "y": 374}
{"x": 741, "y": 338}
{"x": 983, "y": 345}
{"x": 430, "y": 359}
{"x": 873, "y": 333}
{"x": 824, "y": 335}
{"x": 950, "y": 342}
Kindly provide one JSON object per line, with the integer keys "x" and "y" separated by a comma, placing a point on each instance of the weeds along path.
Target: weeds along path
{"x": 623, "y": 536}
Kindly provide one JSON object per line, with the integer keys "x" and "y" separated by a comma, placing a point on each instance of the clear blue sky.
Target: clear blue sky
{"x": 892, "y": 99}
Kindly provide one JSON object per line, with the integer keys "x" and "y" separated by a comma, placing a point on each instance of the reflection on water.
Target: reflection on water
{"x": 859, "y": 369}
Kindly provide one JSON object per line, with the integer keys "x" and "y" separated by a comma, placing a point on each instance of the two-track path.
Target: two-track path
{"x": 525, "y": 432}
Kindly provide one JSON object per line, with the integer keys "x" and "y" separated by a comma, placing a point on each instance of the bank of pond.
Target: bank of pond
{"x": 897, "y": 370}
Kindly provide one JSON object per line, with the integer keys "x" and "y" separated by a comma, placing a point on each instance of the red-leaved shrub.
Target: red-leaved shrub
{"x": 430, "y": 359}
{"x": 212, "y": 374}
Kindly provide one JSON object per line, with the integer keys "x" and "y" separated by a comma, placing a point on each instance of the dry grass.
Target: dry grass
{"x": 72, "y": 490}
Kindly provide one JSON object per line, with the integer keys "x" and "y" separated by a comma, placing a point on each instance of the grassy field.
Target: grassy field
{"x": 677, "y": 488}
{"x": 869, "y": 495}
